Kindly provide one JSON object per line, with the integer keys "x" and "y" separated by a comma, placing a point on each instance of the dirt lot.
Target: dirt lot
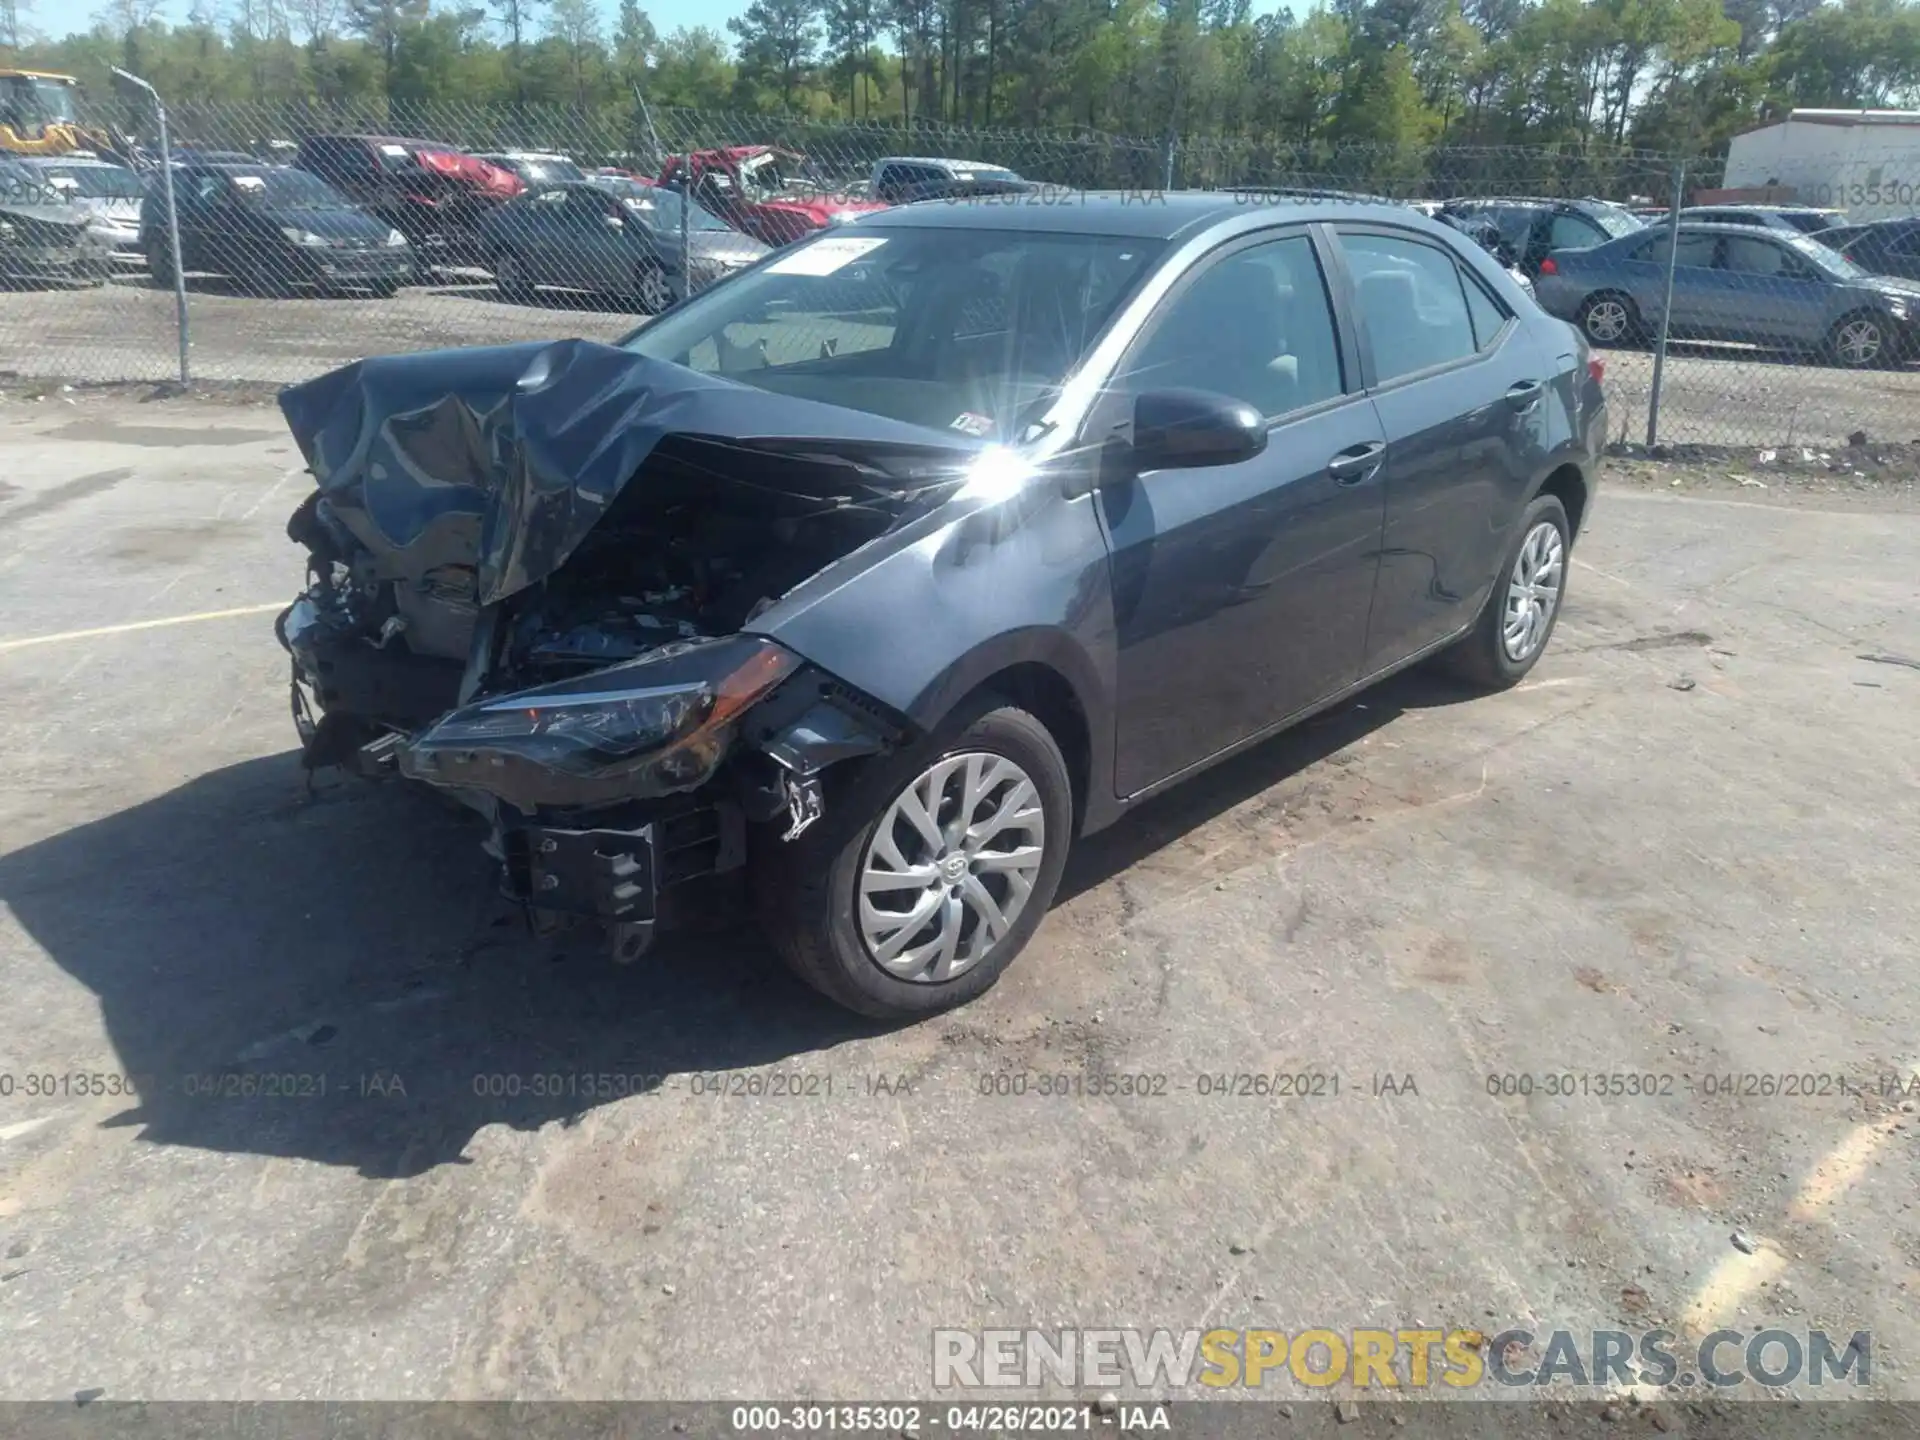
{"x": 1721, "y": 395}
{"x": 1684, "y": 848}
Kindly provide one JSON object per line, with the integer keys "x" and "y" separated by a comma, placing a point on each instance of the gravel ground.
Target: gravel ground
{"x": 1684, "y": 848}
{"x": 1722, "y": 395}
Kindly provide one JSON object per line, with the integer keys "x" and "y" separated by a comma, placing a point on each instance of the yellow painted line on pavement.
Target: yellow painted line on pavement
{"x": 1736, "y": 1279}
{"x": 99, "y": 630}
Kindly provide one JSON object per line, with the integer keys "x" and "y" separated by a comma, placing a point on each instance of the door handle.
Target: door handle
{"x": 1524, "y": 395}
{"x": 1357, "y": 462}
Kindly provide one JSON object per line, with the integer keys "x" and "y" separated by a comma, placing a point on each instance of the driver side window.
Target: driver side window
{"x": 1256, "y": 326}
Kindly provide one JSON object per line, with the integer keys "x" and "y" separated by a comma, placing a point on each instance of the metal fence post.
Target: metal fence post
{"x": 1666, "y": 304}
{"x": 173, "y": 219}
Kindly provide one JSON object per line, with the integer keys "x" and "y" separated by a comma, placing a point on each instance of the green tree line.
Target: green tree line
{"x": 1654, "y": 74}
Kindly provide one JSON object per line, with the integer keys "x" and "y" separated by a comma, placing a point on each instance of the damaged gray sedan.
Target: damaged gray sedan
{"x": 874, "y": 575}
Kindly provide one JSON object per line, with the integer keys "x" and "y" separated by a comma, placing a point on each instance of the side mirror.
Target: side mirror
{"x": 1184, "y": 429}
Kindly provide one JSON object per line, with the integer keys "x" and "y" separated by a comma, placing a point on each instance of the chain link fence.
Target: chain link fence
{"x": 311, "y": 235}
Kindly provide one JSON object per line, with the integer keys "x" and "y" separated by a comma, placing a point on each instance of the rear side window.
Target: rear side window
{"x": 1411, "y": 301}
{"x": 1489, "y": 315}
{"x": 1907, "y": 244}
{"x": 1571, "y": 232}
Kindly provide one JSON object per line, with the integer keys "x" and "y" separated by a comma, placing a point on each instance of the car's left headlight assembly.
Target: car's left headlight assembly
{"x": 303, "y": 237}
{"x": 651, "y": 726}
{"x": 395, "y": 239}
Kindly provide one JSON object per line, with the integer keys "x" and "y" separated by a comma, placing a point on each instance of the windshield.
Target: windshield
{"x": 954, "y": 329}
{"x": 1615, "y": 221}
{"x": 287, "y": 189}
{"x": 20, "y": 186}
{"x": 1829, "y": 260}
{"x": 761, "y": 175}
{"x": 660, "y": 208}
{"x": 54, "y": 100}
{"x": 94, "y": 182}
{"x": 551, "y": 172}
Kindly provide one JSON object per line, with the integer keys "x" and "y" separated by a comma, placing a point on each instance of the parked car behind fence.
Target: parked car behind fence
{"x": 270, "y": 227}
{"x": 1733, "y": 283}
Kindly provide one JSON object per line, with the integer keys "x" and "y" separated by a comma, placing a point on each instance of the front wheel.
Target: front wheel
{"x": 1859, "y": 342}
{"x": 510, "y": 277}
{"x": 651, "y": 289}
{"x": 160, "y": 264}
{"x": 930, "y": 869}
{"x": 1517, "y": 620}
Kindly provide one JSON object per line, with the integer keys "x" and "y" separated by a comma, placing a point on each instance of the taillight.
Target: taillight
{"x": 1547, "y": 267}
{"x": 1596, "y": 370}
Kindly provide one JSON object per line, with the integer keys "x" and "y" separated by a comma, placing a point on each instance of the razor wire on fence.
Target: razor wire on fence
{"x": 313, "y": 234}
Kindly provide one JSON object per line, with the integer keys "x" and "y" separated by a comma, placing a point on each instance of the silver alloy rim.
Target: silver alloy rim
{"x": 654, "y": 295}
{"x": 506, "y": 270}
{"x": 1607, "y": 320}
{"x": 1858, "y": 342}
{"x": 1533, "y": 591}
{"x": 951, "y": 867}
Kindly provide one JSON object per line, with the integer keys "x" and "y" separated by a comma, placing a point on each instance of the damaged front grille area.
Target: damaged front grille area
{"x": 527, "y": 589}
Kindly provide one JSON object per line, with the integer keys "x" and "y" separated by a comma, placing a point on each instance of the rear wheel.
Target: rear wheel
{"x": 1858, "y": 342}
{"x": 930, "y": 869}
{"x": 1518, "y": 618}
{"x": 510, "y": 276}
{"x": 651, "y": 290}
{"x": 1610, "y": 319}
{"x": 160, "y": 264}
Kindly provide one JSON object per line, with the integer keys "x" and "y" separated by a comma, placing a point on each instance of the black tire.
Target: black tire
{"x": 513, "y": 284}
{"x": 160, "y": 265}
{"x": 806, "y": 889}
{"x": 652, "y": 290}
{"x": 1605, "y": 303}
{"x": 1845, "y": 341}
{"x": 1481, "y": 657}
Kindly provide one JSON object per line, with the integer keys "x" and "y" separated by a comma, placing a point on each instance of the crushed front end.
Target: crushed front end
{"x": 530, "y": 587}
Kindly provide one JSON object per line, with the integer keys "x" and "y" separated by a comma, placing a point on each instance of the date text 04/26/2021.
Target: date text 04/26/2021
{"x": 988, "y": 1418}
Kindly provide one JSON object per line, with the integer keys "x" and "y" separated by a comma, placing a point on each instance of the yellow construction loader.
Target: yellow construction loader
{"x": 39, "y": 115}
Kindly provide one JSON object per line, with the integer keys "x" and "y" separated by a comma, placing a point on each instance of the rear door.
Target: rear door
{"x": 1696, "y": 282}
{"x": 1460, "y": 389}
{"x": 1241, "y": 591}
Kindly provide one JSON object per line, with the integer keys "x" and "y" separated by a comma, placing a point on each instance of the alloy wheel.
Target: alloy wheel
{"x": 506, "y": 272}
{"x": 1857, "y": 342}
{"x": 951, "y": 866}
{"x": 1607, "y": 321}
{"x": 655, "y": 294}
{"x": 1533, "y": 591}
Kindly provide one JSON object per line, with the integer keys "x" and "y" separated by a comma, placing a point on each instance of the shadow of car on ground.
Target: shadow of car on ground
{"x": 268, "y": 963}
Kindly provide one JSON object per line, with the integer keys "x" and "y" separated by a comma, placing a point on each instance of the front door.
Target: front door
{"x": 1764, "y": 291}
{"x": 1241, "y": 591}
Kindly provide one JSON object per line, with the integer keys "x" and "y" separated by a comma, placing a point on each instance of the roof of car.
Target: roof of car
{"x": 1158, "y": 214}
{"x": 1571, "y": 202}
{"x": 1771, "y": 209}
{"x": 391, "y": 140}
{"x": 942, "y": 160}
{"x": 43, "y": 160}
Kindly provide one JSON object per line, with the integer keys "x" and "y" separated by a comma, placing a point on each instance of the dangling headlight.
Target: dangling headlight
{"x": 646, "y": 727}
{"x": 395, "y": 239}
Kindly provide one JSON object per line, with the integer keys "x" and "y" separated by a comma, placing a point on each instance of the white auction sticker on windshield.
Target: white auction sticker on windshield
{"x": 823, "y": 257}
{"x": 399, "y": 152}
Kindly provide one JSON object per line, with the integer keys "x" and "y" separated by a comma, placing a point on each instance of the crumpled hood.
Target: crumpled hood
{"x": 504, "y": 457}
